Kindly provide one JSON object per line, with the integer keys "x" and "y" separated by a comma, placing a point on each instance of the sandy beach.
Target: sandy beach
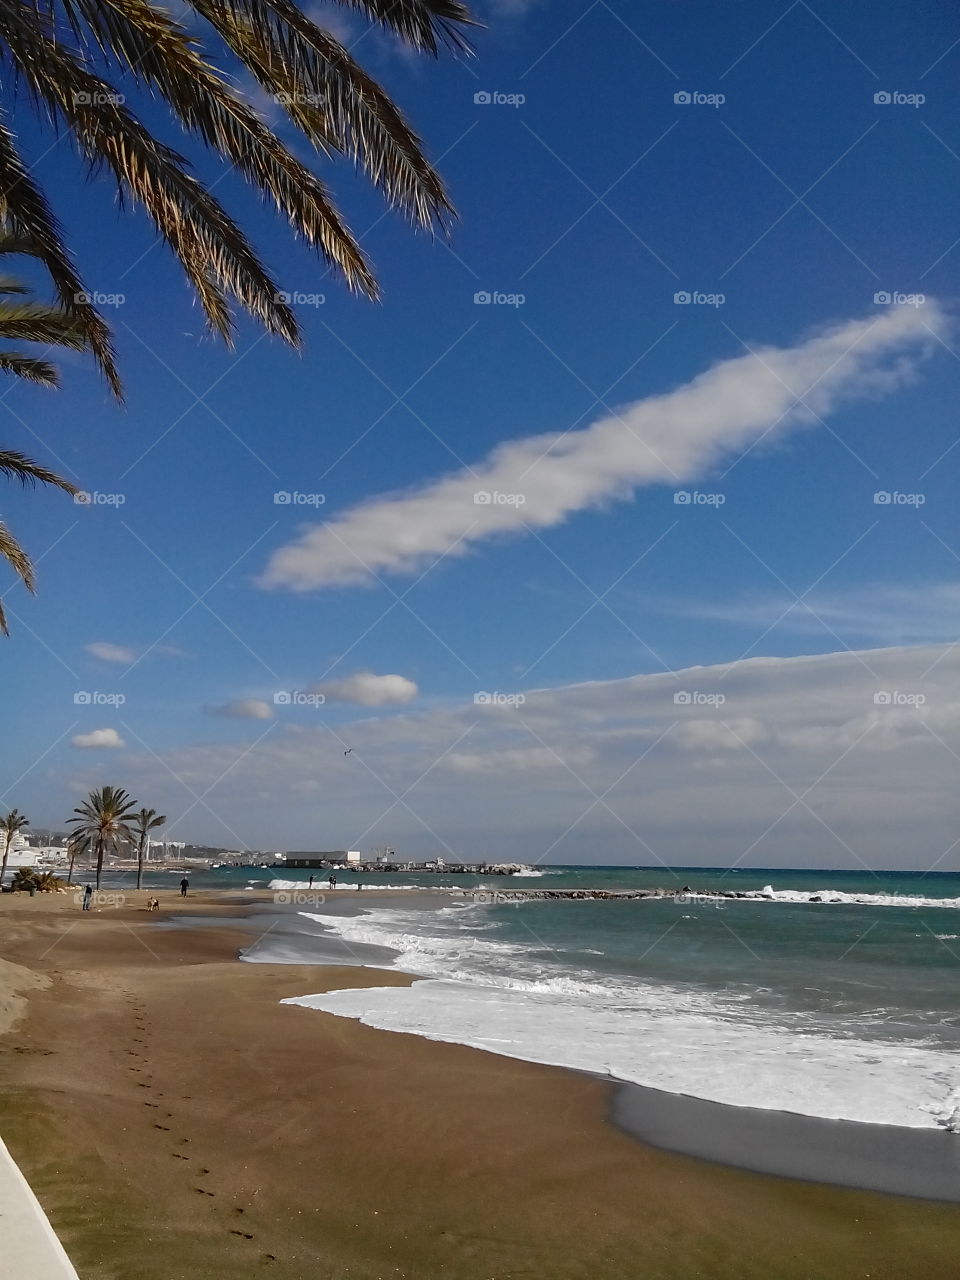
{"x": 175, "y": 1120}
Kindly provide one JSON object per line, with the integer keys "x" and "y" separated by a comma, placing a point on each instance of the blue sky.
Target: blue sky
{"x": 597, "y": 198}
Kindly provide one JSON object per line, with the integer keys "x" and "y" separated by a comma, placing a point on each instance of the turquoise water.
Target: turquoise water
{"x": 927, "y": 883}
{"x": 843, "y": 1009}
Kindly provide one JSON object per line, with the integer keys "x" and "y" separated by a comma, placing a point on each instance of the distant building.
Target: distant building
{"x": 21, "y": 855}
{"x": 325, "y": 859}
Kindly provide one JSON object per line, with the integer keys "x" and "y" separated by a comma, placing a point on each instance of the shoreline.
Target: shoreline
{"x": 176, "y": 1121}
{"x": 922, "y": 1163}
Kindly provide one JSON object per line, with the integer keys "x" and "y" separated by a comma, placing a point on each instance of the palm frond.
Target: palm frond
{"x": 331, "y": 99}
{"x": 18, "y": 466}
{"x": 420, "y": 22}
{"x": 30, "y": 369}
{"x": 36, "y": 322}
{"x": 17, "y": 558}
{"x": 22, "y": 201}
{"x": 9, "y": 285}
{"x": 12, "y": 241}
{"x": 194, "y": 224}
{"x": 155, "y": 49}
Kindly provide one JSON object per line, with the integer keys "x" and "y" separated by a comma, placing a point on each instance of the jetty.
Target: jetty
{"x": 348, "y": 860}
{"x": 686, "y": 894}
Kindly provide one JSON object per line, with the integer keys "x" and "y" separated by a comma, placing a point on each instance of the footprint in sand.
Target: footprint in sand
{"x": 269, "y": 1257}
{"x": 164, "y": 1127}
{"x": 245, "y": 1234}
{"x": 202, "y": 1191}
{"x": 177, "y": 1156}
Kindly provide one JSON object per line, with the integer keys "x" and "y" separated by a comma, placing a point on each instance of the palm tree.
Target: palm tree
{"x": 10, "y": 826}
{"x": 75, "y": 844}
{"x": 144, "y": 821}
{"x": 101, "y": 823}
{"x": 28, "y": 472}
{"x": 64, "y": 50}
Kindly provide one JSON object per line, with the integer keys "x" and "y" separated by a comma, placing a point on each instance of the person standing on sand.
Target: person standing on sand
{"x": 310, "y": 883}
{"x": 184, "y": 886}
{"x": 87, "y": 897}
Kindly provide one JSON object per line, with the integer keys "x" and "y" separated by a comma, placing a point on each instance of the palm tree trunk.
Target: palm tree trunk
{"x": 99, "y": 859}
{"x": 143, "y": 838}
{"x": 7, "y": 854}
{"x": 73, "y": 856}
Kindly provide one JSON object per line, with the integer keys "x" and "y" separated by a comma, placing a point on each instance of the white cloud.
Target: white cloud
{"x": 368, "y": 690}
{"x": 809, "y": 761}
{"x": 673, "y": 438}
{"x": 244, "y": 709}
{"x": 518, "y": 760}
{"x": 887, "y": 614}
{"x": 107, "y": 652}
{"x": 107, "y": 738}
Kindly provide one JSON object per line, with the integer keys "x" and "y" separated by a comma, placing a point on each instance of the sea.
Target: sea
{"x": 847, "y": 1007}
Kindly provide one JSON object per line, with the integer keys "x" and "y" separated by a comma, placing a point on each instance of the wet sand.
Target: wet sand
{"x": 176, "y": 1121}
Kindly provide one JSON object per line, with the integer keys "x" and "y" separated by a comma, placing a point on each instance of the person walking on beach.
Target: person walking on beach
{"x": 332, "y": 882}
{"x": 310, "y": 883}
{"x": 184, "y": 886}
{"x": 87, "y": 897}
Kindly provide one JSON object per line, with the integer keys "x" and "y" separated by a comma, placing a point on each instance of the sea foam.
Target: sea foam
{"x": 718, "y": 1046}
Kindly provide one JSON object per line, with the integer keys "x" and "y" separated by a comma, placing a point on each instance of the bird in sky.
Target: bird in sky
{"x": 348, "y": 750}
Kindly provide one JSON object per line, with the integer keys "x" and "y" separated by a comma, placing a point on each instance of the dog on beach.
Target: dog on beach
{"x": 153, "y": 904}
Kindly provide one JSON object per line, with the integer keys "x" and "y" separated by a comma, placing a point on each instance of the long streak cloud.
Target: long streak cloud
{"x": 673, "y": 438}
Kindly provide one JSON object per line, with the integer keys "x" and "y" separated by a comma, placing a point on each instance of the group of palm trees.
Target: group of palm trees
{"x": 68, "y": 58}
{"x": 104, "y": 823}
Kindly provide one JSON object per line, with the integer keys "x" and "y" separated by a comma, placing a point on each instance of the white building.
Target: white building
{"x": 21, "y": 855}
